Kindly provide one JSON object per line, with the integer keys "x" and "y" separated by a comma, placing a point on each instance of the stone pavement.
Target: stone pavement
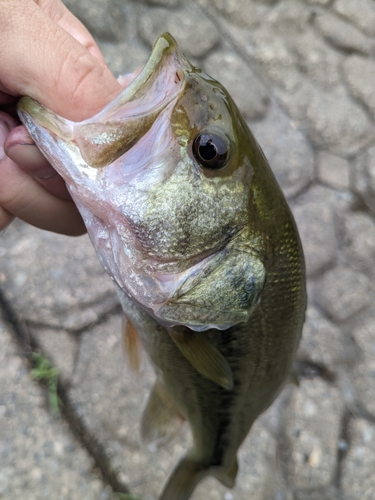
{"x": 302, "y": 72}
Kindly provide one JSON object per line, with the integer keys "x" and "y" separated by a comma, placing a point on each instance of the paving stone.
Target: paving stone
{"x": 359, "y": 241}
{"x": 286, "y": 149}
{"x": 330, "y": 493}
{"x": 364, "y": 177}
{"x": 312, "y": 431}
{"x": 39, "y": 459}
{"x": 243, "y": 13}
{"x": 344, "y": 292}
{"x": 333, "y": 170}
{"x": 53, "y": 280}
{"x": 194, "y": 32}
{"x": 319, "y": 62}
{"x": 276, "y": 58}
{"x": 165, "y": 3}
{"x": 105, "y": 19}
{"x": 318, "y": 2}
{"x": 358, "y": 479}
{"x": 364, "y": 372}
{"x": 329, "y": 127}
{"x": 314, "y": 215}
{"x": 123, "y": 58}
{"x": 59, "y": 347}
{"x": 343, "y": 35}
{"x": 322, "y": 342}
{"x": 246, "y": 89}
{"x": 359, "y": 12}
{"x": 360, "y": 74}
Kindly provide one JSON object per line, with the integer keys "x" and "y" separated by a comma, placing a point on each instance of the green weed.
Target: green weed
{"x": 46, "y": 372}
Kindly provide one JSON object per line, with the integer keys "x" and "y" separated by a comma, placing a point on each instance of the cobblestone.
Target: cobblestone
{"x": 314, "y": 214}
{"x": 196, "y": 34}
{"x": 105, "y": 18}
{"x": 360, "y": 73}
{"x": 364, "y": 372}
{"x": 38, "y": 456}
{"x": 328, "y": 127}
{"x": 333, "y": 170}
{"x": 312, "y": 433}
{"x": 243, "y": 85}
{"x": 359, "y": 238}
{"x": 358, "y": 478}
{"x": 322, "y": 342}
{"x": 344, "y": 293}
{"x": 50, "y": 290}
{"x": 287, "y": 150}
{"x": 342, "y": 34}
{"x": 359, "y": 12}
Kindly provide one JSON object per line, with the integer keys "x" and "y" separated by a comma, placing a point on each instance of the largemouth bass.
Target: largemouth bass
{"x": 188, "y": 220}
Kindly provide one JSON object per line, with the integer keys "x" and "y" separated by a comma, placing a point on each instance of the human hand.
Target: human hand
{"x": 47, "y": 54}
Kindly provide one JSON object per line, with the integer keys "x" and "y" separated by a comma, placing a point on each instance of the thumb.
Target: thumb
{"x": 42, "y": 60}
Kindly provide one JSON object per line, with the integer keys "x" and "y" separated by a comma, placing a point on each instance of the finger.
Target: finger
{"x": 5, "y": 218}
{"x": 45, "y": 62}
{"x": 23, "y": 197}
{"x": 21, "y": 149}
{"x": 57, "y": 11}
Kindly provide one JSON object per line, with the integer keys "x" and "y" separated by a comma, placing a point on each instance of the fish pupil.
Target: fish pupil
{"x": 207, "y": 151}
{"x": 211, "y": 150}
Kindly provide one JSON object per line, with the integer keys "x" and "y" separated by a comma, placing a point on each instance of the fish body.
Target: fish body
{"x": 188, "y": 220}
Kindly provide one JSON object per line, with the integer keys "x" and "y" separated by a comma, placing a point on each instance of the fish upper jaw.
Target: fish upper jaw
{"x": 94, "y": 144}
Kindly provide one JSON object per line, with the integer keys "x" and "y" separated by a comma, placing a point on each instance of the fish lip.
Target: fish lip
{"x": 165, "y": 45}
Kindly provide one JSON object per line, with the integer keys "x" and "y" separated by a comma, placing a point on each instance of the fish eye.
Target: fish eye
{"x": 211, "y": 150}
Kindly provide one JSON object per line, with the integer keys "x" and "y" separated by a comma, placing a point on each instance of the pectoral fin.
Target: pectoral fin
{"x": 132, "y": 346}
{"x": 160, "y": 420}
{"x": 205, "y": 358}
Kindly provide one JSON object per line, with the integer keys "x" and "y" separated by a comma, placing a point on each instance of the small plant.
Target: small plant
{"x": 46, "y": 372}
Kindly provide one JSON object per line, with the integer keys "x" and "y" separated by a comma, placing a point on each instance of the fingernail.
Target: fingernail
{"x": 31, "y": 159}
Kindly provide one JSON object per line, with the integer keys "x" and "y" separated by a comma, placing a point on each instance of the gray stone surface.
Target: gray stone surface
{"x": 361, "y": 13}
{"x": 358, "y": 479}
{"x": 333, "y": 170}
{"x": 342, "y": 34}
{"x": 364, "y": 177}
{"x": 288, "y": 152}
{"x": 243, "y": 85}
{"x": 312, "y": 434}
{"x": 302, "y": 72}
{"x": 364, "y": 372}
{"x": 344, "y": 292}
{"x": 195, "y": 33}
{"x": 328, "y": 126}
{"x": 360, "y": 73}
{"x": 105, "y": 18}
{"x": 359, "y": 238}
{"x": 38, "y": 456}
{"x": 42, "y": 283}
{"x": 322, "y": 342}
{"x": 314, "y": 214}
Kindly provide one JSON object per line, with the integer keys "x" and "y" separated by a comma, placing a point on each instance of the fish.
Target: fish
{"x": 188, "y": 220}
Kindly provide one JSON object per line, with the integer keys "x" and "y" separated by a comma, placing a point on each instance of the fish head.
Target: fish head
{"x": 163, "y": 177}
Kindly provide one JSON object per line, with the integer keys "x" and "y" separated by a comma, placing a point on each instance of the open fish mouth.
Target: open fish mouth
{"x": 118, "y": 127}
